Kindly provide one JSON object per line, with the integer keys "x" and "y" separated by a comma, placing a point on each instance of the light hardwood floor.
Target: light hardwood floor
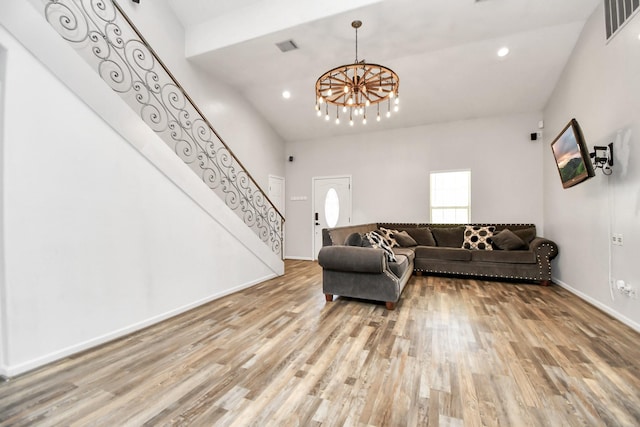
{"x": 455, "y": 352}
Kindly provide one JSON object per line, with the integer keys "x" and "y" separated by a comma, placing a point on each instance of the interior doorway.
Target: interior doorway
{"x": 331, "y": 206}
{"x": 276, "y": 192}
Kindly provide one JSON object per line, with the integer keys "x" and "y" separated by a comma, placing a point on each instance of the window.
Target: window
{"x": 332, "y": 208}
{"x": 451, "y": 197}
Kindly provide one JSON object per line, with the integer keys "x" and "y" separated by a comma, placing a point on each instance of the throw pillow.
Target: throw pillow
{"x": 353, "y": 239}
{"x": 422, "y": 236}
{"x": 507, "y": 240}
{"x": 387, "y": 235}
{"x": 403, "y": 239}
{"x": 526, "y": 234}
{"x": 377, "y": 241}
{"x": 450, "y": 237}
{"x": 478, "y": 237}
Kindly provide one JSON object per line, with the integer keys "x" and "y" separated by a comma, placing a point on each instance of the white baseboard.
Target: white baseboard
{"x": 298, "y": 258}
{"x": 611, "y": 312}
{"x": 12, "y": 371}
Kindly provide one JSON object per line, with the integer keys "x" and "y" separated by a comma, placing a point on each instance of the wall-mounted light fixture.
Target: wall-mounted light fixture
{"x": 602, "y": 157}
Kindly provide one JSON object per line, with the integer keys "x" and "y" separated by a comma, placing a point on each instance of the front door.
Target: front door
{"x": 331, "y": 206}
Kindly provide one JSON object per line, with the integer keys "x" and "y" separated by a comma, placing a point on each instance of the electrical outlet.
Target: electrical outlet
{"x": 617, "y": 239}
{"x": 630, "y": 291}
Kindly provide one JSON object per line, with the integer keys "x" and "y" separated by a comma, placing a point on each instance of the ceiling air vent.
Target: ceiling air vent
{"x": 288, "y": 45}
{"x": 616, "y": 13}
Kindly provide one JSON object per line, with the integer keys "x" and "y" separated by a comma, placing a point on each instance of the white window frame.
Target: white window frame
{"x": 433, "y": 206}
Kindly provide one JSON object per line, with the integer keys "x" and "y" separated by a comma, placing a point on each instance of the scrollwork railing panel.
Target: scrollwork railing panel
{"x": 108, "y": 40}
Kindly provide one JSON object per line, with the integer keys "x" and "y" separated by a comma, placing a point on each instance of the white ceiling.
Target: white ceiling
{"x": 443, "y": 50}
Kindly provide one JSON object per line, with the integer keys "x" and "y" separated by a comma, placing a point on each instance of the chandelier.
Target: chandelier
{"x": 355, "y": 88}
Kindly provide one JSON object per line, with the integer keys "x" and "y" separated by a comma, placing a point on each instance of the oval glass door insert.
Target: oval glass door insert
{"x": 332, "y": 207}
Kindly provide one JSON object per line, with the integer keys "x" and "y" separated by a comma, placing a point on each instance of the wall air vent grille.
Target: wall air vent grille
{"x": 288, "y": 45}
{"x": 617, "y": 13}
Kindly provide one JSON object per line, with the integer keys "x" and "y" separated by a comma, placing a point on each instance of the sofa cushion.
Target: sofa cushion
{"x": 400, "y": 266}
{"x": 403, "y": 239}
{"x": 509, "y": 257}
{"x": 443, "y": 253}
{"x": 422, "y": 236}
{"x": 478, "y": 237}
{"x": 408, "y": 252}
{"x": 526, "y": 234}
{"x": 338, "y": 235}
{"x": 353, "y": 239}
{"x": 377, "y": 241}
{"x": 507, "y": 240}
{"x": 450, "y": 237}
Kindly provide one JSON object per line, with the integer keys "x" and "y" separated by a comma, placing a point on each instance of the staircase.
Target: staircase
{"x": 107, "y": 39}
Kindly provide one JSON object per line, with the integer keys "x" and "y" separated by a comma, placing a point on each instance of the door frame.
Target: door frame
{"x": 313, "y": 206}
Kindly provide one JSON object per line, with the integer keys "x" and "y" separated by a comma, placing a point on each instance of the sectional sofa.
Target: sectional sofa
{"x": 499, "y": 251}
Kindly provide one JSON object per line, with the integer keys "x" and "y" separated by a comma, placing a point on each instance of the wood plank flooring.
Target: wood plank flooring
{"x": 455, "y": 352}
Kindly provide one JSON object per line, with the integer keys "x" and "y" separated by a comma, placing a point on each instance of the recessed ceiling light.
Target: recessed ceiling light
{"x": 503, "y": 51}
{"x": 286, "y": 94}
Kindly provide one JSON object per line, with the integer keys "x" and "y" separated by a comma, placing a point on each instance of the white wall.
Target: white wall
{"x": 600, "y": 87}
{"x": 248, "y": 135}
{"x": 101, "y": 232}
{"x": 391, "y": 173}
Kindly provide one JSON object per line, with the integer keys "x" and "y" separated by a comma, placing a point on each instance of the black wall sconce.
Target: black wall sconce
{"x": 602, "y": 158}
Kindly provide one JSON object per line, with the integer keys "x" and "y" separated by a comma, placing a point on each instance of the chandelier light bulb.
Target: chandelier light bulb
{"x": 326, "y": 117}
{"x": 378, "y": 117}
{"x": 330, "y": 92}
{"x": 396, "y": 108}
{"x": 367, "y": 103}
{"x": 337, "y": 121}
{"x": 350, "y": 101}
{"x": 397, "y": 101}
{"x": 388, "y": 114}
{"x": 344, "y": 109}
{"x": 391, "y": 94}
{"x": 351, "y": 122}
{"x": 346, "y": 89}
{"x": 364, "y": 120}
{"x": 319, "y": 113}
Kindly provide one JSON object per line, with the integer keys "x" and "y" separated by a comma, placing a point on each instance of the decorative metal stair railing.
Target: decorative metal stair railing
{"x": 106, "y": 38}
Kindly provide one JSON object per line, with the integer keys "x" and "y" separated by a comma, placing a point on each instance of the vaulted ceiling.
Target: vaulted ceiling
{"x": 445, "y": 52}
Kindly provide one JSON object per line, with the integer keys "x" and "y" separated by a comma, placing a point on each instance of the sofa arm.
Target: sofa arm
{"x": 545, "y": 250}
{"x": 544, "y": 247}
{"x": 352, "y": 258}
